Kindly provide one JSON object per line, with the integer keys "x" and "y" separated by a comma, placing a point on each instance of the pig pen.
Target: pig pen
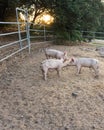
{"x": 70, "y": 102}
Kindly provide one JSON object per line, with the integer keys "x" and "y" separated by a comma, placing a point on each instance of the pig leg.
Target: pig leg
{"x": 42, "y": 72}
{"x": 96, "y": 69}
{"x": 47, "y": 56}
{"x": 78, "y": 69}
{"x": 45, "y": 74}
{"x": 58, "y": 72}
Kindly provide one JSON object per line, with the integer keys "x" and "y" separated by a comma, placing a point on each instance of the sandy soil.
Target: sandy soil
{"x": 70, "y": 102}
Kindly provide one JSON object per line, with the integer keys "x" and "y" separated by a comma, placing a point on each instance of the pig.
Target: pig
{"x": 55, "y": 54}
{"x": 99, "y": 49}
{"x": 56, "y": 64}
{"x": 85, "y": 62}
{"x": 101, "y": 53}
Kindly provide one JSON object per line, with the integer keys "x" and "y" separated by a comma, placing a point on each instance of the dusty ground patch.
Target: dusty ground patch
{"x": 67, "y": 103}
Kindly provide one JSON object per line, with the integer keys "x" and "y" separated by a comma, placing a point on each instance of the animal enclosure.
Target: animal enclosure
{"x": 67, "y": 103}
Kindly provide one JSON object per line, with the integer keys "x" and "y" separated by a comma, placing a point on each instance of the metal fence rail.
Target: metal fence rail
{"x": 92, "y": 35}
{"x": 19, "y": 33}
{"x": 13, "y": 53}
{"x": 39, "y": 33}
{"x": 12, "y": 43}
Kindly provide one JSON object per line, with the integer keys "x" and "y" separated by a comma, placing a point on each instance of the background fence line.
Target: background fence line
{"x": 92, "y": 35}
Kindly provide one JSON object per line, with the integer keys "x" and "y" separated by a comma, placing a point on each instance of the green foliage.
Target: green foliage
{"x": 101, "y": 26}
{"x": 71, "y": 15}
{"x": 73, "y": 35}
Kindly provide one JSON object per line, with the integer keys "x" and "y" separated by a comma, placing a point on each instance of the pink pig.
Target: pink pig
{"x": 85, "y": 62}
{"x": 56, "y": 64}
{"x": 55, "y": 54}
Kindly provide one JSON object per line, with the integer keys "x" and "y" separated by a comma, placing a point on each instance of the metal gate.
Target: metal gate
{"x": 19, "y": 32}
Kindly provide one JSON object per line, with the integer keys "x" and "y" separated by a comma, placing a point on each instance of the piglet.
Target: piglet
{"x": 85, "y": 62}
{"x": 56, "y": 64}
{"x": 55, "y": 54}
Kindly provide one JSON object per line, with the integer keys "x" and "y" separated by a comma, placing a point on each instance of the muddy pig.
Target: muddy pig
{"x": 56, "y": 64}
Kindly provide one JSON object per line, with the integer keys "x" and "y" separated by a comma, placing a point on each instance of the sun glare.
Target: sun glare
{"x": 47, "y": 18}
{"x": 44, "y": 19}
{"x": 41, "y": 19}
{"x": 22, "y": 17}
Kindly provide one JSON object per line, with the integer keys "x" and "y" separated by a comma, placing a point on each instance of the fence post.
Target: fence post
{"x": 19, "y": 32}
{"x": 44, "y": 33}
{"x": 28, "y": 31}
{"x": 93, "y": 35}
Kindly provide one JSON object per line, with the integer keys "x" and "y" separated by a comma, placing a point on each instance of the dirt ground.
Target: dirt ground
{"x": 70, "y": 102}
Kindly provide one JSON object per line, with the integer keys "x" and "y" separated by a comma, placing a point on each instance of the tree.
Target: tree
{"x": 38, "y": 6}
{"x": 3, "y": 7}
{"x": 72, "y": 15}
{"x": 7, "y": 7}
{"x": 101, "y": 26}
